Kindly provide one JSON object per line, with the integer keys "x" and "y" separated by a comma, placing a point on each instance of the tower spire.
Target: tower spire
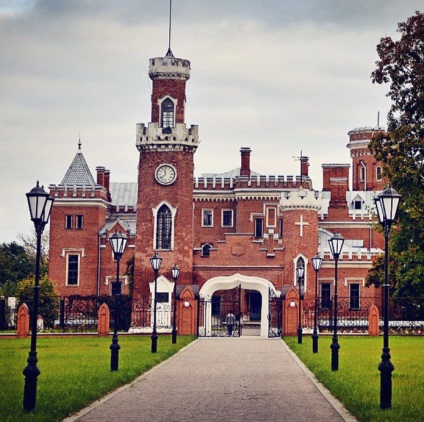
{"x": 169, "y": 52}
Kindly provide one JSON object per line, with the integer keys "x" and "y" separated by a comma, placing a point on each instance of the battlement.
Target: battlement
{"x": 302, "y": 198}
{"x": 254, "y": 182}
{"x": 169, "y": 67}
{"x": 364, "y": 133}
{"x": 78, "y": 191}
{"x": 151, "y": 137}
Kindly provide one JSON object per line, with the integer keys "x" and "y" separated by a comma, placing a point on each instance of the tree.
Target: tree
{"x": 29, "y": 242}
{"x": 401, "y": 151}
{"x": 48, "y": 300}
{"x": 15, "y": 264}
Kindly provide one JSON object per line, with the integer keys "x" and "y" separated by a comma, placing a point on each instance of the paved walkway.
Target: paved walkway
{"x": 222, "y": 379}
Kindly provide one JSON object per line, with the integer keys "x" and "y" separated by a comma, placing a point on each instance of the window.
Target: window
{"x": 227, "y": 218}
{"x": 378, "y": 173}
{"x": 354, "y": 299}
{"x": 79, "y": 222}
{"x": 206, "y": 249}
{"x": 73, "y": 270}
{"x": 207, "y": 218}
{"x": 167, "y": 113}
{"x": 357, "y": 205}
{"x": 280, "y": 229}
{"x": 361, "y": 174}
{"x": 325, "y": 295}
{"x": 164, "y": 228}
{"x": 68, "y": 221}
{"x": 259, "y": 228}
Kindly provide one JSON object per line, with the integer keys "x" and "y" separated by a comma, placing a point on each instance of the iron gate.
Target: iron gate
{"x": 213, "y": 313}
{"x": 274, "y": 314}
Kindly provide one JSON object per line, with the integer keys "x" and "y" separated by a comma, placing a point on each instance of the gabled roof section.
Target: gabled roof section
{"x": 78, "y": 172}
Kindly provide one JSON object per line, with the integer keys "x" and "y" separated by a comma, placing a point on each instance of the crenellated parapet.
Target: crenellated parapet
{"x": 179, "y": 138}
{"x": 301, "y": 199}
{"x": 169, "y": 67}
{"x": 79, "y": 191}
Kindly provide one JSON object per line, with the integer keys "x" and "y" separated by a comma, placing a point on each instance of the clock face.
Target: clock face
{"x": 166, "y": 174}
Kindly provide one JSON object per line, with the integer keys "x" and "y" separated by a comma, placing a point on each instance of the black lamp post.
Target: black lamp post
{"x": 299, "y": 274}
{"x": 155, "y": 261}
{"x": 40, "y": 205}
{"x": 118, "y": 242}
{"x": 387, "y": 204}
{"x": 175, "y": 274}
{"x": 336, "y": 245}
{"x": 316, "y": 263}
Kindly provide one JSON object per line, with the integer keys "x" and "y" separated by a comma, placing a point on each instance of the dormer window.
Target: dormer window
{"x": 167, "y": 114}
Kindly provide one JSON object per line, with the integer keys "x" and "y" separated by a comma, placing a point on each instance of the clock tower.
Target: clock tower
{"x": 165, "y": 178}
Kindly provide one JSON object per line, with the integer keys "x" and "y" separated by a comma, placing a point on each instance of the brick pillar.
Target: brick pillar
{"x": 187, "y": 313}
{"x": 290, "y": 312}
{"x": 22, "y": 330}
{"x": 103, "y": 321}
{"x": 373, "y": 321}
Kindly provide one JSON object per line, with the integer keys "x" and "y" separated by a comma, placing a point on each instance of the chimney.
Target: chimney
{"x": 100, "y": 175}
{"x": 107, "y": 179}
{"x": 245, "y": 162}
{"x": 304, "y": 166}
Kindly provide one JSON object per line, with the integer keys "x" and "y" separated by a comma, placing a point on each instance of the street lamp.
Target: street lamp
{"x": 387, "y": 204}
{"x": 155, "y": 262}
{"x": 316, "y": 263}
{"x": 40, "y": 205}
{"x": 175, "y": 274}
{"x": 336, "y": 246}
{"x": 118, "y": 242}
{"x": 299, "y": 274}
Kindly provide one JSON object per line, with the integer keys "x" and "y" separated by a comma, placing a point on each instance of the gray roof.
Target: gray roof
{"x": 78, "y": 172}
{"x": 229, "y": 174}
{"x": 124, "y": 195}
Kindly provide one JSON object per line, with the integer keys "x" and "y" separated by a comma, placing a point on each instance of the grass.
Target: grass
{"x": 74, "y": 372}
{"x": 357, "y": 382}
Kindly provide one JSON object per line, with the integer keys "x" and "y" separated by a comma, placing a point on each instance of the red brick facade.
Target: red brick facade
{"x": 239, "y": 227}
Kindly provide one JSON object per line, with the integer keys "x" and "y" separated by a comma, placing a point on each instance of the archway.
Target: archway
{"x": 258, "y": 284}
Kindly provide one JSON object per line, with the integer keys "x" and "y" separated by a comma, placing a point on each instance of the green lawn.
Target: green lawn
{"x": 74, "y": 372}
{"x": 357, "y": 382}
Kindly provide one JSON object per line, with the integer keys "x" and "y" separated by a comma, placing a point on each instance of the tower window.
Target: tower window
{"x": 68, "y": 221}
{"x": 167, "y": 113}
{"x": 79, "y": 222}
{"x": 164, "y": 228}
{"x": 354, "y": 298}
{"x": 73, "y": 270}
{"x": 378, "y": 173}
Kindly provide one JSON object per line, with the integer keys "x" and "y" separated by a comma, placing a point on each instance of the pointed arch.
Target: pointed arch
{"x": 164, "y": 215}
{"x": 167, "y": 113}
{"x": 301, "y": 259}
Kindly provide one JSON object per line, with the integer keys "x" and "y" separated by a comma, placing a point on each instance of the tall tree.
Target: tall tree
{"x": 15, "y": 265}
{"x": 401, "y": 150}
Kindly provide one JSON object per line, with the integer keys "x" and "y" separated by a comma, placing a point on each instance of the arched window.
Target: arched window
{"x": 167, "y": 113}
{"x": 379, "y": 175}
{"x": 164, "y": 228}
{"x": 206, "y": 249}
{"x": 300, "y": 263}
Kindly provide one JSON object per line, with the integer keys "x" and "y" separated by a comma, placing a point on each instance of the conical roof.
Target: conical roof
{"x": 78, "y": 172}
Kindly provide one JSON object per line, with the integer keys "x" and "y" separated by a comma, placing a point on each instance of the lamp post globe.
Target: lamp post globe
{"x": 155, "y": 262}
{"x": 387, "y": 204}
{"x": 118, "y": 243}
{"x": 175, "y": 274}
{"x": 299, "y": 274}
{"x": 40, "y": 206}
{"x": 336, "y": 245}
{"x": 316, "y": 263}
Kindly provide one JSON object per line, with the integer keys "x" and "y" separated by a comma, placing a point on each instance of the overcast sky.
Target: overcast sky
{"x": 276, "y": 76}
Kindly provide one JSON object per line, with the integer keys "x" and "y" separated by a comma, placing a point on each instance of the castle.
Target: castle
{"x": 239, "y": 231}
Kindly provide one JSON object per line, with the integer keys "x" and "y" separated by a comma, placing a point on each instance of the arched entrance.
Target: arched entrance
{"x": 259, "y": 289}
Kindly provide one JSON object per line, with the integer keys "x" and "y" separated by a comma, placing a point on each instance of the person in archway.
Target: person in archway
{"x": 230, "y": 322}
